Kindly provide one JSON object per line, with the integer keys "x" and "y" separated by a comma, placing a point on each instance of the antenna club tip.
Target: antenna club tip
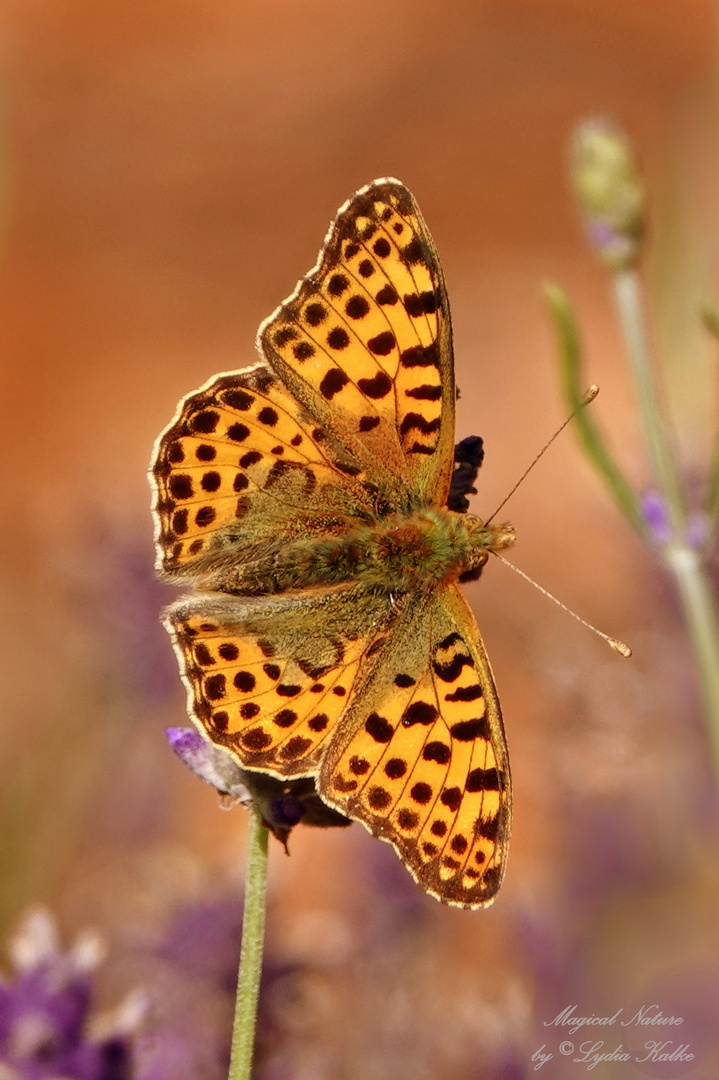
{"x": 620, "y": 647}
{"x": 590, "y": 394}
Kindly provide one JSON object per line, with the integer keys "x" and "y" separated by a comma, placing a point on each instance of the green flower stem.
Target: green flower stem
{"x": 710, "y": 318}
{"x": 253, "y": 936}
{"x": 627, "y": 290}
{"x": 700, "y": 612}
{"x": 694, "y": 586}
{"x": 590, "y": 436}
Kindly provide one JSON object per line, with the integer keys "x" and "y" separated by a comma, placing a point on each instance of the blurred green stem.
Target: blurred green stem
{"x": 628, "y": 296}
{"x": 684, "y": 561}
{"x": 700, "y": 612}
{"x": 253, "y": 936}
{"x": 589, "y": 434}
{"x": 710, "y": 318}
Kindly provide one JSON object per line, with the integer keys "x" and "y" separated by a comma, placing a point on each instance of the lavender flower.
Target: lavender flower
{"x": 282, "y": 803}
{"x": 610, "y": 192}
{"x": 209, "y": 762}
{"x": 656, "y": 515}
{"x": 46, "y": 1028}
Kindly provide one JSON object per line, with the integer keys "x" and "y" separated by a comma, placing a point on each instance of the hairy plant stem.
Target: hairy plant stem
{"x": 253, "y": 936}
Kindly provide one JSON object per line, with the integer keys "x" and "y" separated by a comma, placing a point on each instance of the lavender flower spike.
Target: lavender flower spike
{"x": 609, "y": 191}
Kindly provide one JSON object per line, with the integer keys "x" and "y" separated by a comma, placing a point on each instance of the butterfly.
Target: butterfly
{"x": 304, "y": 499}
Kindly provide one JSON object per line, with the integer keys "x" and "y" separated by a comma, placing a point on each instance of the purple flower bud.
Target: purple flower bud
{"x": 282, "y": 803}
{"x": 211, "y": 763}
{"x": 654, "y": 509}
{"x": 609, "y": 191}
{"x": 656, "y": 515}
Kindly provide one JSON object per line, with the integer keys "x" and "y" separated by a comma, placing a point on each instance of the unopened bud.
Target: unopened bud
{"x": 609, "y": 191}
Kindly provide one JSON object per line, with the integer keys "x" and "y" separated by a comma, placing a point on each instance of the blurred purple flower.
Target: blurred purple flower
{"x": 656, "y": 515}
{"x": 177, "y": 1027}
{"x": 191, "y": 974}
{"x": 654, "y": 509}
{"x": 400, "y": 907}
{"x": 121, "y": 598}
{"x": 46, "y": 1028}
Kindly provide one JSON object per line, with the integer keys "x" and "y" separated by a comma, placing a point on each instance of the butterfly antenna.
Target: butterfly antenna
{"x": 588, "y": 397}
{"x": 615, "y": 644}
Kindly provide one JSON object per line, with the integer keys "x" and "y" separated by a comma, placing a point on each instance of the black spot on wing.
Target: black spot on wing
{"x": 395, "y": 768}
{"x": 387, "y": 296}
{"x": 315, "y": 314}
{"x": 451, "y": 671}
{"x": 303, "y": 350}
{"x": 382, "y": 344}
{"x": 333, "y": 381}
{"x": 256, "y": 739}
{"x": 465, "y": 693}
{"x": 416, "y": 422}
{"x": 296, "y": 747}
{"x": 379, "y": 798}
{"x": 417, "y": 304}
{"x": 378, "y": 728}
{"x": 437, "y": 751}
{"x": 421, "y": 793}
{"x": 205, "y": 422}
{"x": 417, "y": 251}
{"x": 419, "y": 712}
{"x": 426, "y": 392}
{"x": 181, "y": 486}
{"x": 420, "y": 356}
{"x": 483, "y": 780}
{"x": 250, "y": 458}
{"x": 284, "y": 336}
{"x": 451, "y": 798}
{"x": 357, "y": 307}
{"x": 205, "y": 516}
{"x": 338, "y": 338}
{"x": 469, "y": 730}
{"x": 407, "y": 819}
{"x": 237, "y": 399}
{"x": 338, "y": 284}
{"x": 377, "y": 387}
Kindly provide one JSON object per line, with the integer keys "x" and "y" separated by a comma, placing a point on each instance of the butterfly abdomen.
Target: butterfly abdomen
{"x": 395, "y": 554}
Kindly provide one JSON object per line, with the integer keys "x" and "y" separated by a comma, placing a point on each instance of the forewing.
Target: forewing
{"x": 420, "y": 758}
{"x": 268, "y": 679}
{"x": 244, "y": 466}
{"x": 365, "y": 342}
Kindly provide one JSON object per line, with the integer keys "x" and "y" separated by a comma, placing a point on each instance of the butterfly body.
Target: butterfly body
{"x": 304, "y": 499}
{"x": 396, "y": 553}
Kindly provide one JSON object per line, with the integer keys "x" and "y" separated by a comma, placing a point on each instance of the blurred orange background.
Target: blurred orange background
{"x": 169, "y": 170}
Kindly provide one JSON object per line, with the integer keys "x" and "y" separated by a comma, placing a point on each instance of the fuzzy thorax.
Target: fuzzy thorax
{"x": 396, "y": 554}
